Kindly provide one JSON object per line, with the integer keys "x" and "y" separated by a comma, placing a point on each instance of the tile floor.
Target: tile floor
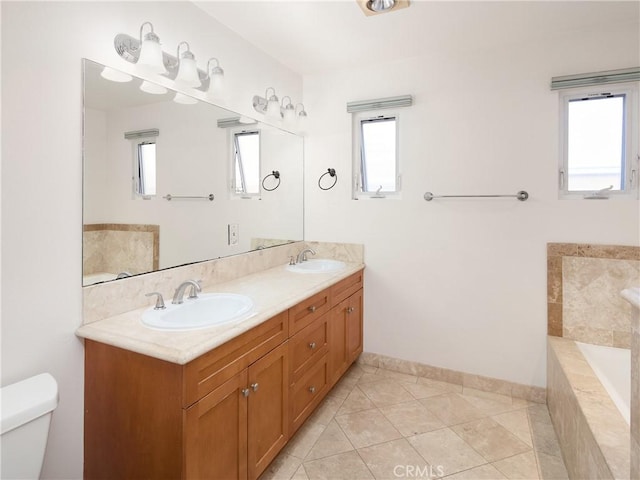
{"x": 379, "y": 424}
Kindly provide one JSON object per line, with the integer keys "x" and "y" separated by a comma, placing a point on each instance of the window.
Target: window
{"x": 145, "y": 168}
{"x": 246, "y": 163}
{"x": 599, "y": 135}
{"x": 376, "y": 156}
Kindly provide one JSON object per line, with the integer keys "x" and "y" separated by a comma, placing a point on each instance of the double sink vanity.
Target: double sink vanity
{"x": 219, "y": 401}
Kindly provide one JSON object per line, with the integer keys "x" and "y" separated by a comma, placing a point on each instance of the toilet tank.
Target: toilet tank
{"x": 25, "y": 415}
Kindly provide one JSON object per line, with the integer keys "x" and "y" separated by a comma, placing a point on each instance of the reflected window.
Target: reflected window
{"x": 145, "y": 169}
{"x": 246, "y": 163}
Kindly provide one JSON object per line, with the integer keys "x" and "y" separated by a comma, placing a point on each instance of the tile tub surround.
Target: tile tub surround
{"x": 632, "y": 296}
{"x": 581, "y": 301}
{"x": 381, "y": 424}
{"x": 273, "y": 291}
{"x": 130, "y": 247}
{"x": 594, "y": 437}
{"x": 467, "y": 380}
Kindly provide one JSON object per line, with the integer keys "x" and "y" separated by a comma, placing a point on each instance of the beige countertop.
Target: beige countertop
{"x": 272, "y": 291}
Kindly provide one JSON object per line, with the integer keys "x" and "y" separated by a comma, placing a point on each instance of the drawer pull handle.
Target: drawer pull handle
{"x": 312, "y": 389}
{"x": 254, "y": 387}
{"x": 312, "y": 308}
{"x": 312, "y": 345}
{"x": 350, "y": 309}
{"x": 245, "y": 392}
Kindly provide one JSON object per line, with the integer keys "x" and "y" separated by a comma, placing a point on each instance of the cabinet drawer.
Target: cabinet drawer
{"x": 307, "y": 393}
{"x": 308, "y": 310}
{"x": 307, "y": 346}
{"x": 347, "y": 287}
{"x": 214, "y": 368}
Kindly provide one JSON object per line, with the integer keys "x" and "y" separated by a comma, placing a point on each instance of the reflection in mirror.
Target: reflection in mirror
{"x": 141, "y": 149}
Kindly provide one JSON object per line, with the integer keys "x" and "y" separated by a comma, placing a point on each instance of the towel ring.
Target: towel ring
{"x": 332, "y": 173}
{"x": 275, "y": 174}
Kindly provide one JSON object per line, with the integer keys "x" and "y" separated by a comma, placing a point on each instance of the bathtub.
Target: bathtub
{"x": 612, "y": 366}
{"x": 588, "y": 397}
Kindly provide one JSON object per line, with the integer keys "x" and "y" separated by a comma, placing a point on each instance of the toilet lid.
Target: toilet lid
{"x": 27, "y": 400}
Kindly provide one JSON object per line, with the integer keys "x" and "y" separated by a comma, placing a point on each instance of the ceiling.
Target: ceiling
{"x": 310, "y": 36}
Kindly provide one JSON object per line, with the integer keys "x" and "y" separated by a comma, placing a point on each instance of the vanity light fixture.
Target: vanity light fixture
{"x": 288, "y": 110}
{"x": 187, "y": 68}
{"x": 216, "y": 78}
{"x": 147, "y": 54}
{"x": 114, "y": 75}
{"x": 150, "y": 53}
{"x": 268, "y": 105}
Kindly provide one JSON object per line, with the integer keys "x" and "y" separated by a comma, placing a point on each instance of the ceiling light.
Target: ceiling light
{"x": 377, "y": 7}
{"x": 380, "y": 5}
{"x": 187, "y": 68}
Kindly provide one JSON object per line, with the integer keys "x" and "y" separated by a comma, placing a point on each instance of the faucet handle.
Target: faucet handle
{"x": 159, "y": 300}
{"x": 193, "y": 291}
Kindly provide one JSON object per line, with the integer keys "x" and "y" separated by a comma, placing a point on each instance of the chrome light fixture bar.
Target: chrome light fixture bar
{"x": 148, "y": 51}
{"x": 379, "y": 103}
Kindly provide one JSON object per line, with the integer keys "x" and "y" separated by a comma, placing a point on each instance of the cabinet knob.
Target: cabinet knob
{"x": 350, "y": 309}
{"x": 254, "y": 387}
{"x": 245, "y": 392}
{"x": 312, "y": 308}
{"x": 312, "y": 345}
{"x": 312, "y": 389}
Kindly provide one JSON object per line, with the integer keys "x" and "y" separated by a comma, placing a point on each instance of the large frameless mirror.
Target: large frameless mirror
{"x": 164, "y": 184}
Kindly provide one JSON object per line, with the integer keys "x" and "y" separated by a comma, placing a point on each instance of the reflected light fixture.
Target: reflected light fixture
{"x": 216, "y": 78}
{"x": 152, "y": 88}
{"x": 268, "y": 105}
{"x": 288, "y": 110}
{"x": 184, "y": 99}
{"x": 187, "y": 68}
{"x": 150, "y": 57}
{"x": 115, "y": 75}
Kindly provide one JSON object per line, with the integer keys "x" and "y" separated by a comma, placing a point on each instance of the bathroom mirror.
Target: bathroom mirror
{"x": 187, "y": 150}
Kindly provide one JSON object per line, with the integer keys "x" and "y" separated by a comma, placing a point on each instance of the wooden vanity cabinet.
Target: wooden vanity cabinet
{"x": 226, "y": 414}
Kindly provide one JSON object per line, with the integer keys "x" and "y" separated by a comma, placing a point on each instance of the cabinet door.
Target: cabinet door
{"x": 338, "y": 341}
{"x": 268, "y": 408}
{"x": 216, "y": 433}
{"x": 353, "y": 315}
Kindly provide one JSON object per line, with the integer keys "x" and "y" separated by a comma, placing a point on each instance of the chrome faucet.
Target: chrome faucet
{"x": 179, "y": 295}
{"x": 302, "y": 256}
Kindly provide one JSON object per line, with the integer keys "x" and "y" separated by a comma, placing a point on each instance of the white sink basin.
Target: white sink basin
{"x": 317, "y": 265}
{"x": 207, "y": 310}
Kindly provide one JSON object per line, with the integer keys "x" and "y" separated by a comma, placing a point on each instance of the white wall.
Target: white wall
{"x": 42, "y": 47}
{"x": 462, "y": 284}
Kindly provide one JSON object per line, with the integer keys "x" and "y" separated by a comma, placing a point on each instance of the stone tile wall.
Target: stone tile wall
{"x": 583, "y": 292}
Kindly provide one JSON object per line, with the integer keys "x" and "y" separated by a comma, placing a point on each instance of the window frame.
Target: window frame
{"x": 629, "y": 158}
{"x": 359, "y": 118}
{"x": 135, "y": 183}
{"x": 233, "y": 135}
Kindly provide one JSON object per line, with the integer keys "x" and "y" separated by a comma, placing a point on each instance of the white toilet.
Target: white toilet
{"x": 26, "y": 409}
